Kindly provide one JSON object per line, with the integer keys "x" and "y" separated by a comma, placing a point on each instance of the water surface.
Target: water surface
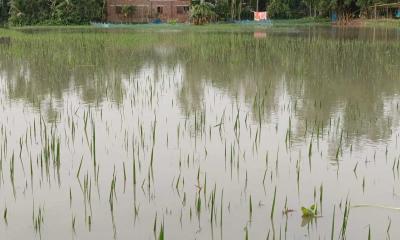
{"x": 114, "y": 134}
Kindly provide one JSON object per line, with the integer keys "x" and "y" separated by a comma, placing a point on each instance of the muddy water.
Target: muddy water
{"x": 206, "y": 135}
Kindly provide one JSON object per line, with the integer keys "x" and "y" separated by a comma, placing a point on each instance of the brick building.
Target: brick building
{"x": 144, "y": 11}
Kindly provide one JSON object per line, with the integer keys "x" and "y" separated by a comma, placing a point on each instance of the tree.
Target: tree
{"x": 4, "y": 10}
{"x": 344, "y": 9}
{"x": 279, "y": 9}
{"x": 312, "y": 7}
{"x": 222, "y": 10}
{"x": 30, "y": 12}
{"x": 64, "y": 12}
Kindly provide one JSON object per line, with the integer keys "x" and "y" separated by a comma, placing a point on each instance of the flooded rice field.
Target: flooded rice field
{"x": 267, "y": 134}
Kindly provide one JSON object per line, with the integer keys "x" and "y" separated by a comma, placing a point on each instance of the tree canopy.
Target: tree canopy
{"x": 30, "y": 12}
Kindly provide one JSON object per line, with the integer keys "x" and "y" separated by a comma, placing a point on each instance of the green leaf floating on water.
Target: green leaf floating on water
{"x": 309, "y": 212}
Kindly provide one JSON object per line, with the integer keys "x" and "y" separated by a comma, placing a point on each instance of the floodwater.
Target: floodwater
{"x": 200, "y": 134}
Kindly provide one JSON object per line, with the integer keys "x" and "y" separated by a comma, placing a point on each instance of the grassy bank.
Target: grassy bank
{"x": 221, "y": 26}
{"x": 389, "y": 23}
{"x": 243, "y": 26}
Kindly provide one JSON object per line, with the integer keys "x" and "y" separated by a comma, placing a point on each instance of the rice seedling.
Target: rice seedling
{"x": 273, "y": 204}
{"x": 333, "y": 223}
{"x": 369, "y": 232}
{"x": 161, "y": 234}
{"x": 5, "y": 215}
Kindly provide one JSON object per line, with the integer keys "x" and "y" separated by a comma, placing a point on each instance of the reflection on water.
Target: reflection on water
{"x": 121, "y": 133}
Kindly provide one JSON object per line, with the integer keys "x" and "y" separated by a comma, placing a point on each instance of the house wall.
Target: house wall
{"x": 146, "y": 11}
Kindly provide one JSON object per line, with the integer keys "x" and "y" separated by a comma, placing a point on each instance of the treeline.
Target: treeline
{"x": 31, "y": 12}
{"x": 288, "y": 9}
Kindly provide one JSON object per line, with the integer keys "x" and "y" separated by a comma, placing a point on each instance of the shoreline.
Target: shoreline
{"x": 215, "y": 27}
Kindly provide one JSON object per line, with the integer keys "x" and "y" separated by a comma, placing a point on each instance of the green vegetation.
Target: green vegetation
{"x": 277, "y": 25}
{"x": 383, "y": 23}
{"x": 4, "y": 9}
{"x": 75, "y": 12}
{"x": 310, "y": 212}
{"x": 202, "y": 13}
{"x": 56, "y": 12}
{"x": 292, "y": 9}
{"x": 128, "y": 10}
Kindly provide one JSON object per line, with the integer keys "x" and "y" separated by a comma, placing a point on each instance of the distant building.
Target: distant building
{"x": 145, "y": 11}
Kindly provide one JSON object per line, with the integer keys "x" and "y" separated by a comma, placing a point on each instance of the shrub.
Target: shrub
{"x": 128, "y": 10}
{"x": 202, "y": 13}
{"x": 172, "y": 21}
